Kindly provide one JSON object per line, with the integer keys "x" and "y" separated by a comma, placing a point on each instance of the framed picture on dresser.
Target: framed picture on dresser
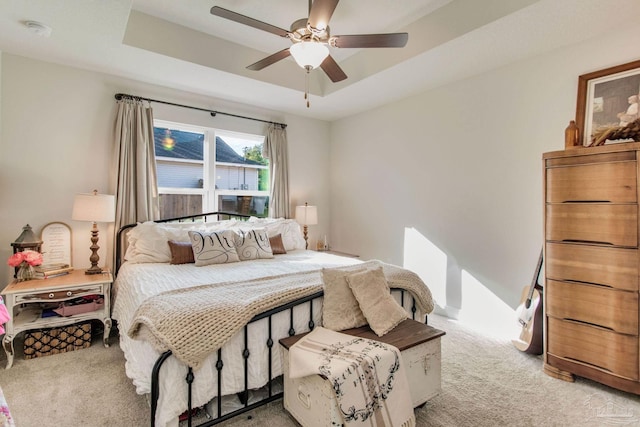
{"x": 607, "y": 99}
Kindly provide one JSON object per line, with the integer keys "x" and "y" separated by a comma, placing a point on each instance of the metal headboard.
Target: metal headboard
{"x": 122, "y": 232}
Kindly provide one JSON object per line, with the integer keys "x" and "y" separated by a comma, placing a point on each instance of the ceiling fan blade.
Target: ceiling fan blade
{"x": 271, "y": 59}
{"x": 332, "y": 69}
{"x": 233, "y": 16}
{"x": 371, "y": 40}
{"x": 320, "y": 13}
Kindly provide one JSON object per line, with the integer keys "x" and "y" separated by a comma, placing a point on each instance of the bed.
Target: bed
{"x": 205, "y": 336}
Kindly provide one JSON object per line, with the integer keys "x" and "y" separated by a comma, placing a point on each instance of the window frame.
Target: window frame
{"x": 209, "y": 192}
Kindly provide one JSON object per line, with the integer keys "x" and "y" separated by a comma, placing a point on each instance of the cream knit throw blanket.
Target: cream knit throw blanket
{"x": 194, "y": 322}
{"x": 368, "y": 377}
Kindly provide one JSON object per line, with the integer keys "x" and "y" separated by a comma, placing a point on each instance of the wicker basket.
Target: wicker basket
{"x": 45, "y": 342}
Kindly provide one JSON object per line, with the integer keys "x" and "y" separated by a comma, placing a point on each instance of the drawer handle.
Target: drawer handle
{"x": 582, "y": 362}
{"x": 582, "y": 322}
{"x": 51, "y": 295}
{"x": 583, "y": 282}
{"x": 586, "y": 201}
{"x": 593, "y": 242}
{"x": 69, "y": 293}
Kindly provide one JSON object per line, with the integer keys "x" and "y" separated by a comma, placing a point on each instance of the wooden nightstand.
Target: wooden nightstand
{"x": 331, "y": 251}
{"x": 25, "y": 302}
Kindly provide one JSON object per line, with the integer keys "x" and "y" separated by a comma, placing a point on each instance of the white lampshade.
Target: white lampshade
{"x": 94, "y": 207}
{"x": 307, "y": 215}
{"x": 309, "y": 53}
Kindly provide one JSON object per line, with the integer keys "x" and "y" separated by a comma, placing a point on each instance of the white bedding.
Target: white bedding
{"x": 137, "y": 282}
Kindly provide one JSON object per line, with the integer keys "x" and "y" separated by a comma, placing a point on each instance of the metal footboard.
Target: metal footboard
{"x": 272, "y": 395}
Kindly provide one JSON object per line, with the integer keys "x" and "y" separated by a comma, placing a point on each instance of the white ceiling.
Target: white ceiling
{"x": 179, "y": 44}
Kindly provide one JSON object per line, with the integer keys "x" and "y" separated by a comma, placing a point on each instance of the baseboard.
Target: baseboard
{"x": 447, "y": 311}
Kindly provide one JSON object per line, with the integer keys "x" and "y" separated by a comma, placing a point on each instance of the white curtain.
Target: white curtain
{"x": 135, "y": 164}
{"x": 275, "y": 149}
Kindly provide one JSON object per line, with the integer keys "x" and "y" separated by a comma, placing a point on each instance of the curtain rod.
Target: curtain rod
{"x": 213, "y": 113}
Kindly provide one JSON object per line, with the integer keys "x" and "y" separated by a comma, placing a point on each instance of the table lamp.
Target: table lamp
{"x": 96, "y": 208}
{"x": 306, "y": 215}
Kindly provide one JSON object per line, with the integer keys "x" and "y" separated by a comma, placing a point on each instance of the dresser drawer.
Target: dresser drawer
{"x": 598, "y": 305}
{"x": 600, "y": 182}
{"x": 614, "y": 267}
{"x": 609, "y": 351}
{"x": 600, "y": 223}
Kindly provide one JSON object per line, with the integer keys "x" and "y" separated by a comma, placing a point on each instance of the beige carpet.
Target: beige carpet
{"x": 485, "y": 382}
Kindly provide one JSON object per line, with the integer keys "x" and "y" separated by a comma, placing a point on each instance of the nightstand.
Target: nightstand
{"x": 345, "y": 254}
{"x": 26, "y": 301}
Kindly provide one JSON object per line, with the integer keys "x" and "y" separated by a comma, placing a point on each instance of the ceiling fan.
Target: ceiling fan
{"x": 311, "y": 38}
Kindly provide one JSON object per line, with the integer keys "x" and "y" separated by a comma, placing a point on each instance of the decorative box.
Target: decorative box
{"x": 311, "y": 400}
{"x": 71, "y": 310}
{"x": 45, "y": 342}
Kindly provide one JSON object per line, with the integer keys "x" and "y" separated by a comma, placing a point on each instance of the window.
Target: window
{"x": 204, "y": 169}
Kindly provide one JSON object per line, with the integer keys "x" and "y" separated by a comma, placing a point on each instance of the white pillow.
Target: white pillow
{"x": 253, "y": 244}
{"x": 217, "y": 247}
{"x": 147, "y": 242}
{"x": 289, "y": 229}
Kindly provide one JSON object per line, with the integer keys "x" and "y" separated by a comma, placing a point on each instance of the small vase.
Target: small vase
{"x": 572, "y": 135}
{"x": 25, "y": 272}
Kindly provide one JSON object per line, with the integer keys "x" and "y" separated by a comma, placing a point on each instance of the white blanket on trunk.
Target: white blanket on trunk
{"x": 367, "y": 376}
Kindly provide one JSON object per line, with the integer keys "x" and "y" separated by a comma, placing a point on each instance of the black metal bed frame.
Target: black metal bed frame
{"x": 243, "y": 395}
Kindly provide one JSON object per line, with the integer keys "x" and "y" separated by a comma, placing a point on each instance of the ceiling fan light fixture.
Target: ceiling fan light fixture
{"x": 309, "y": 53}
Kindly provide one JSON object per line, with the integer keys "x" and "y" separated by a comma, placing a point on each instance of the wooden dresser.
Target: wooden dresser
{"x": 592, "y": 264}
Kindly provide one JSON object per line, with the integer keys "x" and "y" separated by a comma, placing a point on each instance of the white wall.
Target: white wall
{"x": 456, "y": 169}
{"x": 56, "y": 140}
{"x": 462, "y": 165}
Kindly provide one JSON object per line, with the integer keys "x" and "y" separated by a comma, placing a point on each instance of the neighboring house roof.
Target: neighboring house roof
{"x": 188, "y": 145}
{"x": 226, "y": 154}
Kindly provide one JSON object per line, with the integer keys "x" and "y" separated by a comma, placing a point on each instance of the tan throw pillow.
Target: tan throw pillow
{"x": 374, "y": 297}
{"x": 181, "y": 252}
{"x": 340, "y": 309}
{"x": 277, "y": 247}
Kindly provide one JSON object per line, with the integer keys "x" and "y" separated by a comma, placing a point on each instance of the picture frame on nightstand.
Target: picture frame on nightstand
{"x": 56, "y": 243}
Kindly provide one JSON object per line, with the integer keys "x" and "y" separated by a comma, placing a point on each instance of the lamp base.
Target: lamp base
{"x": 94, "y": 270}
{"x": 94, "y": 258}
{"x": 306, "y": 237}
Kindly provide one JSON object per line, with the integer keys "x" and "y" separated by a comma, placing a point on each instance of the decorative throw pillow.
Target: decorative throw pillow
{"x": 181, "y": 252}
{"x": 340, "y": 309}
{"x": 277, "y": 247}
{"x": 213, "y": 248}
{"x": 374, "y": 297}
{"x": 253, "y": 244}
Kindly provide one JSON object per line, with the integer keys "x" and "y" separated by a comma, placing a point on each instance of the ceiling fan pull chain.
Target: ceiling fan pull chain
{"x": 306, "y": 85}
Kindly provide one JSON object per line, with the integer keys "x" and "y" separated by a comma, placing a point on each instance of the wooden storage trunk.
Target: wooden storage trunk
{"x": 311, "y": 400}
{"x": 45, "y": 342}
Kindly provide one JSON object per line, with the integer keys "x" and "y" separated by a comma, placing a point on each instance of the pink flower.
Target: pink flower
{"x": 30, "y": 257}
{"x": 16, "y": 259}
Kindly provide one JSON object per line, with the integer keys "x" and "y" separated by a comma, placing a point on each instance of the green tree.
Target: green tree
{"x": 255, "y": 153}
